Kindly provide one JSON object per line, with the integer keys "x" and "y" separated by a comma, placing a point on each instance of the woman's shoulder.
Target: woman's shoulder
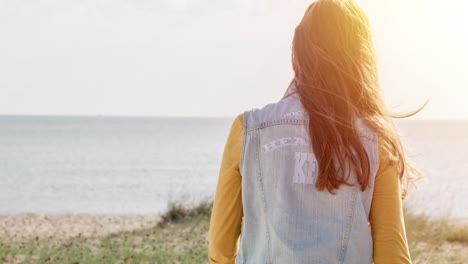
{"x": 238, "y": 122}
{"x": 240, "y": 117}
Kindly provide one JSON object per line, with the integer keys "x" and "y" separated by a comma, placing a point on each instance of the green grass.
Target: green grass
{"x": 182, "y": 237}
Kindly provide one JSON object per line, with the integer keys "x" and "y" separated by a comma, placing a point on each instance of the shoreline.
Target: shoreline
{"x": 63, "y": 226}
{"x": 60, "y": 227}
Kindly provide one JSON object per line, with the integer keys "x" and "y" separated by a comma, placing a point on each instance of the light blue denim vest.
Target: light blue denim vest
{"x": 286, "y": 219}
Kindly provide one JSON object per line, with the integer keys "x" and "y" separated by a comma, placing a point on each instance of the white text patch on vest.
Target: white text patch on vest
{"x": 304, "y": 176}
{"x": 282, "y": 142}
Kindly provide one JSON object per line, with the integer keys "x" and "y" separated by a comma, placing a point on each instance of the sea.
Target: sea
{"x": 138, "y": 165}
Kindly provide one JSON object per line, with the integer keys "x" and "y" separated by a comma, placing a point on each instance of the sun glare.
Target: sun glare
{"x": 422, "y": 53}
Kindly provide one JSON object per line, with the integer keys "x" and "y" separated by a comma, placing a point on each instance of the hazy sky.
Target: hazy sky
{"x": 211, "y": 57}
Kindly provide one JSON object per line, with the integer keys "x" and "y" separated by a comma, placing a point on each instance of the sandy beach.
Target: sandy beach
{"x": 58, "y": 227}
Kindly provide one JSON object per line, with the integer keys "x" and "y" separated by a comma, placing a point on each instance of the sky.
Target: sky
{"x": 211, "y": 58}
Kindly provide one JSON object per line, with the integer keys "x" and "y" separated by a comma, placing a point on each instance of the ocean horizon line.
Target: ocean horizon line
{"x": 124, "y": 116}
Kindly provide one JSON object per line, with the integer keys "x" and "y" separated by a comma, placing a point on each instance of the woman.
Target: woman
{"x": 319, "y": 176}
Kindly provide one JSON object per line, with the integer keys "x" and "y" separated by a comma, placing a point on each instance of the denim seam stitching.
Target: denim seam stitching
{"x": 278, "y": 122}
{"x": 244, "y": 138}
{"x": 260, "y": 182}
{"x": 349, "y": 223}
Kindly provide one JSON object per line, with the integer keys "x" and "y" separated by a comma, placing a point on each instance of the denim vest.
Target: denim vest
{"x": 286, "y": 219}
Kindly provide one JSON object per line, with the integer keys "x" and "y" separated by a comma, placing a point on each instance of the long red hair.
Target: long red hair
{"x": 334, "y": 62}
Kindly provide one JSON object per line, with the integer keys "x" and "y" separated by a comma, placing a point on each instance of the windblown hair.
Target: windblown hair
{"x": 334, "y": 62}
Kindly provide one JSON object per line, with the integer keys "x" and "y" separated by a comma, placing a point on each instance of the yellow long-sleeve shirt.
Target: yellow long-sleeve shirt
{"x": 386, "y": 214}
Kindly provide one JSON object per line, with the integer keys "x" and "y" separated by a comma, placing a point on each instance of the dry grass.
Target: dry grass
{"x": 182, "y": 237}
{"x": 177, "y": 210}
{"x": 436, "y": 240}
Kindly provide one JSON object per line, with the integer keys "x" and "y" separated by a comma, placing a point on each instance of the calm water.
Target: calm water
{"x": 136, "y": 165}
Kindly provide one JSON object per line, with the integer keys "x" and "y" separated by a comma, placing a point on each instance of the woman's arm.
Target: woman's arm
{"x": 386, "y": 215}
{"x": 226, "y": 216}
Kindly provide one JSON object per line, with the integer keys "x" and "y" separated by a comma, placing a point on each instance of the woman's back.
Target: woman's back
{"x": 308, "y": 174}
{"x": 286, "y": 219}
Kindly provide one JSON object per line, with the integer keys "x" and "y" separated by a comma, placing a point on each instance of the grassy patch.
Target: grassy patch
{"x": 178, "y": 210}
{"x": 182, "y": 237}
{"x": 436, "y": 240}
{"x": 183, "y": 241}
